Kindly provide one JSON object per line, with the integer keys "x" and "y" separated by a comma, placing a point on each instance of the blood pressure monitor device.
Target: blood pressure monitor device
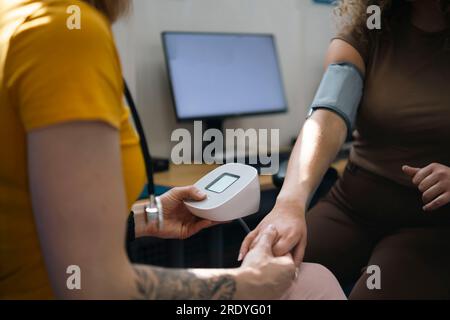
{"x": 232, "y": 191}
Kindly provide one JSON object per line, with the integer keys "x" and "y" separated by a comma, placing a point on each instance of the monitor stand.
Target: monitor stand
{"x": 216, "y": 237}
{"x": 246, "y": 158}
{"x": 212, "y": 124}
{"x": 242, "y": 158}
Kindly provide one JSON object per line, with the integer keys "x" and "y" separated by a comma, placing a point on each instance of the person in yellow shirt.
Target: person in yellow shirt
{"x": 71, "y": 168}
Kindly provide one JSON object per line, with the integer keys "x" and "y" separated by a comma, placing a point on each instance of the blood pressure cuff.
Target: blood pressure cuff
{"x": 340, "y": 91}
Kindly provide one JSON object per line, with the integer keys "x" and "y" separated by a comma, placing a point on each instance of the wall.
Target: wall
{"x": 302, "y": 29}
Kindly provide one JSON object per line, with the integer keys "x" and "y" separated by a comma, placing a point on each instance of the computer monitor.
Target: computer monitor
{"x": 222, "y": 75}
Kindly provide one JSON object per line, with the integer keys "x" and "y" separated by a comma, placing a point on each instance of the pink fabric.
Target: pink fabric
{"x": 315, "y": 282}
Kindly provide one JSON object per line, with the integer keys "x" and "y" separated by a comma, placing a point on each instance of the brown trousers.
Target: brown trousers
{"x": 368, "y": 220}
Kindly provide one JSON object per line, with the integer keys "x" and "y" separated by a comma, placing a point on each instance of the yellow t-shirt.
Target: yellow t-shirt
{"x": 50, "y": 75}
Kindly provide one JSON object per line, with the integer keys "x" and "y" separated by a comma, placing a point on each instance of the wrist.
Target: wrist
{"x": 136, "y": 219}
{"x": 297, "y": 196}
{"x": 245, "y": 279}
{"x": 297, "y": 204}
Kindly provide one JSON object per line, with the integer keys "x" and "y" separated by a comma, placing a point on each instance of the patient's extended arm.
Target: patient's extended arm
{"x": 319, "y": 141}
{"x": 317, "y": 146}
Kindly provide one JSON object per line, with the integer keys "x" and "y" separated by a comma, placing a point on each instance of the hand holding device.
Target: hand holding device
{"x": 179, "y": 223}
{"x": 232, "y": 192}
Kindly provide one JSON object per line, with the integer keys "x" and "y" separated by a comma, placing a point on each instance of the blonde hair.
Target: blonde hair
{"x": 113, "y": 9}
{"x": 351, "y": 15}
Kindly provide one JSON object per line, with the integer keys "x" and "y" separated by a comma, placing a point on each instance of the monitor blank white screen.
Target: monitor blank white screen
{"x": 223, "y": 74}
{"x": 222, "y": 183}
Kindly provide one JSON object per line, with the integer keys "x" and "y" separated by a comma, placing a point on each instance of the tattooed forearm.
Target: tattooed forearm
{"x": 169, "y": 284}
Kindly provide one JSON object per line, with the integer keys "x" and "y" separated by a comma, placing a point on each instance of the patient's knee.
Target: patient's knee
{"x": 315, "y": 282}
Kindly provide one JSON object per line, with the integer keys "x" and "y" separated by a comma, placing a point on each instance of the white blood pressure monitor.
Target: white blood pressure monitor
{"x": 232, "y": 191}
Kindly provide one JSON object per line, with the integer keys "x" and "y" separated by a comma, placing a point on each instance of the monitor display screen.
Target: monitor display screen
{"x": 222, "y": 183}
{"x": 223, "y": 75}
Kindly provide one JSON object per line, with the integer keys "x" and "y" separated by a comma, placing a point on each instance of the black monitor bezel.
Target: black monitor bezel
{"x": 283, "y": 110}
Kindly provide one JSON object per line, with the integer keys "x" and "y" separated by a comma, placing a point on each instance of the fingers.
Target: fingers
{"x": 267, "y": 240}
{"x": 410, "y": 171}
{"x": 139, "y": 219}
{"x": 141, "y": 227}
{"x": 437, "y": 203}
{"x": 432, "y": 193}
{"x": 288, "y": 261}
{"x": 299, "y": 253}
{"x": 422, "y": 174}
{"x": 428, "y": 182}
{"x": 285, "y": 245}
{"x": 188, "y": 193}
{"x": 151, "y": 229}
{"x": 245, "y": 247}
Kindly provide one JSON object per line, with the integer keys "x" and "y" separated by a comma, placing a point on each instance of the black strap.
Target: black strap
{"x": 143, "y": 140}
{"x": 130, "y": 235}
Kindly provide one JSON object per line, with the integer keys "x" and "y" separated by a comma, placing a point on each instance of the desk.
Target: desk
{"x": 188, "y": 174}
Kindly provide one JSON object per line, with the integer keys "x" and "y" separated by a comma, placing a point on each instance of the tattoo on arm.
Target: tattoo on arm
{"x": 169, "y": 284}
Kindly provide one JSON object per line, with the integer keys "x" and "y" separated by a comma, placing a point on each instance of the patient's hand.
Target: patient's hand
{"x": 434, "y": 183}
{"x": 262, "y": 275}
{"x": 289, "y": 221}
{"x": 179, "y": 223}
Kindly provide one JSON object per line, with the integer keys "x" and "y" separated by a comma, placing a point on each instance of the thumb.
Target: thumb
{"x": 410, "y": 171}
{"x": 266, "y": 240}
{"x": 189, "y": 193}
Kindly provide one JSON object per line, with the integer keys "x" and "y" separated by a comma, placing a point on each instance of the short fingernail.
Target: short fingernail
{"x": 200, "y": 193}
{"x": 241, "y": 256}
